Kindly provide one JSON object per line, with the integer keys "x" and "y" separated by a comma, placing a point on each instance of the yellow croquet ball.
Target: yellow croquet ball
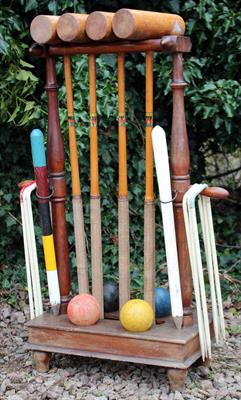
{"x": 136, "y": 315}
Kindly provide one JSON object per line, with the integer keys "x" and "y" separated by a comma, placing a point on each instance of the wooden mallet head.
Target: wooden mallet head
{"x": 140, "y": 25}
{"x": 43, "y": 29}
{"x": 71, "y": 27}
{"x": 99, "y": 26}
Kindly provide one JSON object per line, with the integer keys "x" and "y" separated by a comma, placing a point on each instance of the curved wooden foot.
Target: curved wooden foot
{"x": 41, "y": 360}
{"x": 176, "y": 378}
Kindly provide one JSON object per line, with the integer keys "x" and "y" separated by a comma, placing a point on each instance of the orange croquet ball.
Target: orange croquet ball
{"x": 83, "y": 310}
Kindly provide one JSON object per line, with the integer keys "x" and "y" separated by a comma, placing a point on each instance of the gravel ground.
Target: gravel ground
{"x": 90, "y": 379}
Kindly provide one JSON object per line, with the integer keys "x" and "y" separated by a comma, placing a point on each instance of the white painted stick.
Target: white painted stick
{"x": 215, "y": 265}
{"x": 28, "y": 249}
{"x": 32, "y": 250}
{"x": 203, "y": 345}
{"x": 207, "y": 247}
{"x": 26, "y": 254}
{"x": 33, "y": 262}
{"x": 164, "y": 184}
{"x": 192, "y": 194}
{"x": 198, "y": 261}
{"x": 196, "y": 265}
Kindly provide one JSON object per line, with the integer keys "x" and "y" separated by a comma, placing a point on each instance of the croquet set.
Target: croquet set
{"x": 165, "y": 328}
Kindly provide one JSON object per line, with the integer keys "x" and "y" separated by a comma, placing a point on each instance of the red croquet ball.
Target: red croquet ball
{"x": 83, "y": 310}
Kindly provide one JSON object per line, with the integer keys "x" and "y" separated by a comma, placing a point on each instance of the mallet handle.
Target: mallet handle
{"x": 94, "y": 169}
{"x": 123, "y": 191}
{"x": 149, "y": 205}
{"x": 76, "y": 191}
{"x": 149, "y": 125}
{"x": 123, "y": 207}
{"x": 95, "y": 208}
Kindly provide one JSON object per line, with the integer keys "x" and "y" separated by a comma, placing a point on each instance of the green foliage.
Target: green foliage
{"x": 18, "y": 83}
{"x": 212, "y": 110}
{"x": 213, "y": 73}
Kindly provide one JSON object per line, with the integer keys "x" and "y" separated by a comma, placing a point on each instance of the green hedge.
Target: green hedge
{"x": 212, "y": 108}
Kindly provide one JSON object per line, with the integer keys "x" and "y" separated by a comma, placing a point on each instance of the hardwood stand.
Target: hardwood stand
{"x": 163, "y": 345}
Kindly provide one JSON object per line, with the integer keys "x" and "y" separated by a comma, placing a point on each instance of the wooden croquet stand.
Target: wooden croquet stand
{"x": 163, "y": 345}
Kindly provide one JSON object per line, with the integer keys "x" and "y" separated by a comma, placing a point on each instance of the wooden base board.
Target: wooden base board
{"x": 163, "y": 345}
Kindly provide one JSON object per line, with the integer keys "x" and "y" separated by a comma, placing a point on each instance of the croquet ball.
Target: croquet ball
{"x": 162, "y": 302}
{"x": 83, "y": 309}
{"x": 136, "y": 315}
{"x": 111, "y": 297}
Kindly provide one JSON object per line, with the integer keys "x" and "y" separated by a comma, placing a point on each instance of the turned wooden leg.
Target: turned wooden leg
{"x": 176, "y": 378}
{"x": 41, "y": 360}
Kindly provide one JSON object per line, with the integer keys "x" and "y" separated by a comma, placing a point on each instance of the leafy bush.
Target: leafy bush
{"x": 212, "y": 110}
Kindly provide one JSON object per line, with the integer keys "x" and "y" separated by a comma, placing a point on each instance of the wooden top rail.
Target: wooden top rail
{"x": 166, "y": 44}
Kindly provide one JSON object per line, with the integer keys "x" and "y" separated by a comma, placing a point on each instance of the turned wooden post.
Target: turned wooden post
{"x": 180, "y": 164}
{"x": 55, "y": 157}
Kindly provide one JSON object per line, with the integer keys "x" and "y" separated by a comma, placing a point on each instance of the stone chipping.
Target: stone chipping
{"x": 80, "y": 378}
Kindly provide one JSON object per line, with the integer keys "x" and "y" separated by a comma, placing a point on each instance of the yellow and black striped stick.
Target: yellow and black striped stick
{"x": 149, "y": 205}
{"x": 40, "y": 171}
{"x": 95, "y": 208}
{"x": 79, "y": 231}
{"x": 123, "y": 206}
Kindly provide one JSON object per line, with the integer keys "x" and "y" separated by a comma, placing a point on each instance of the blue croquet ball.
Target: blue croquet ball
{"x": 162, "y": 302}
